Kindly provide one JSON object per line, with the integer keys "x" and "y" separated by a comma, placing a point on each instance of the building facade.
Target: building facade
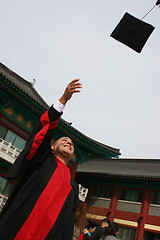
{"x": 126, "y": 191}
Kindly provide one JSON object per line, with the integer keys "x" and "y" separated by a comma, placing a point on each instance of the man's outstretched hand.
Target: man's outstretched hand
{"x": 73, "y": 87}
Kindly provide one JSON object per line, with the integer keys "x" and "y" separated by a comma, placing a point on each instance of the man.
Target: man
{"x": 42, "y": 205}
{"x": 111, "y": 232}
{"x": 99, "y": 231}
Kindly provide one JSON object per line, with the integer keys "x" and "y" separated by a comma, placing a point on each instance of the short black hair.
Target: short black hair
{"x": 105, "y": 220}
{"x": 91, "y": 224}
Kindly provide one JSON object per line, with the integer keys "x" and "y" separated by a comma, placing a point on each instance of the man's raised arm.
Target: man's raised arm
{"x": 73, "y": 87}
{"x": 49, "y": 120}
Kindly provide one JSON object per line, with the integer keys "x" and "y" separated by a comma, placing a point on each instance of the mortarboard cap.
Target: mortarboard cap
{"x": 132, "y": 32}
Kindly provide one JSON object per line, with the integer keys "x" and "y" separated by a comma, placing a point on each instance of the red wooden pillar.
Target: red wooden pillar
{"x": 82, "y": 219}
{"x": 113, "y": 203}
{"x": 147, "y": 197}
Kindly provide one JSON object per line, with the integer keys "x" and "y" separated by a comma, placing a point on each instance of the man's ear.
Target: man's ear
{"x": 52, "y": 147}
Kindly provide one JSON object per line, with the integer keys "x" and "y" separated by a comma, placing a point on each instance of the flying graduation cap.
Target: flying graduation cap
{"x": 132, "y": 31}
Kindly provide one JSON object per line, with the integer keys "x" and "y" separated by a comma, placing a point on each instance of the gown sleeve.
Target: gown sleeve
{"x": 39, "y": 141}
{"x": 37, "y": 145}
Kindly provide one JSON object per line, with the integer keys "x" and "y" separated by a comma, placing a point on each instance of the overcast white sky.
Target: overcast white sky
{"x": 56, "y": 41}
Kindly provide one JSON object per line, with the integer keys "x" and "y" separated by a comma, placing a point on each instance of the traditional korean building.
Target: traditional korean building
{"x": 20, "y": 108}
{"x": 126, "y": 191}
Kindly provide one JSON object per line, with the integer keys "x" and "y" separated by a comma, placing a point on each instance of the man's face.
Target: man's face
{"x": 63, "y": 146}
{"x": 104, "y": 224}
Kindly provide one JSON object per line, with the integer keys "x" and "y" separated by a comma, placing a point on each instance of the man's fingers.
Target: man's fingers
{"x": 75, "y": 86}
{"x": 74, "y": 82}
{"x": 75, "y": 91}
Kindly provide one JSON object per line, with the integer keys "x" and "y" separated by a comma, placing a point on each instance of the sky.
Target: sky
{"x": 56, "y": 41}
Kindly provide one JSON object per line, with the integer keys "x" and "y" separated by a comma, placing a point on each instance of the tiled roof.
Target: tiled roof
{"x": 22, "y": 84}
{"x": 121, "y": 167}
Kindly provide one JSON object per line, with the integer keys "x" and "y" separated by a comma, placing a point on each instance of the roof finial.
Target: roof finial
{"x": 33, "y": 82}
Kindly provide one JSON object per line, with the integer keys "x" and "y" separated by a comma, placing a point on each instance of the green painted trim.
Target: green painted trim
{"x": 154, "y": 187}
{"x": 133, "y": 185}
{"x": 73, "y": 160}
{"x": 20, "y": 109}
{"x": 5, "y": 163}
{"x": 21, "y": 94}
{"x": 16, "y": 121}
{"x": 103, "y": 182}
{"x": 140, "y": 184}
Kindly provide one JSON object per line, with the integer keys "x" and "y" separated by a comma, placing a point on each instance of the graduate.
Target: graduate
{"x": 98, "y": 232}
{"x": 43, "y": 202}
{"x": 90, "y": 228}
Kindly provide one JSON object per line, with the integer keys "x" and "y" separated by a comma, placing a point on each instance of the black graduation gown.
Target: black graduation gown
{"x": 43, "y": 202}
{"x": 96, "y": 235}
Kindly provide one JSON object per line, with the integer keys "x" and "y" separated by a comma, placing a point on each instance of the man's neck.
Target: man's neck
{"x": 62, "y": 159}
